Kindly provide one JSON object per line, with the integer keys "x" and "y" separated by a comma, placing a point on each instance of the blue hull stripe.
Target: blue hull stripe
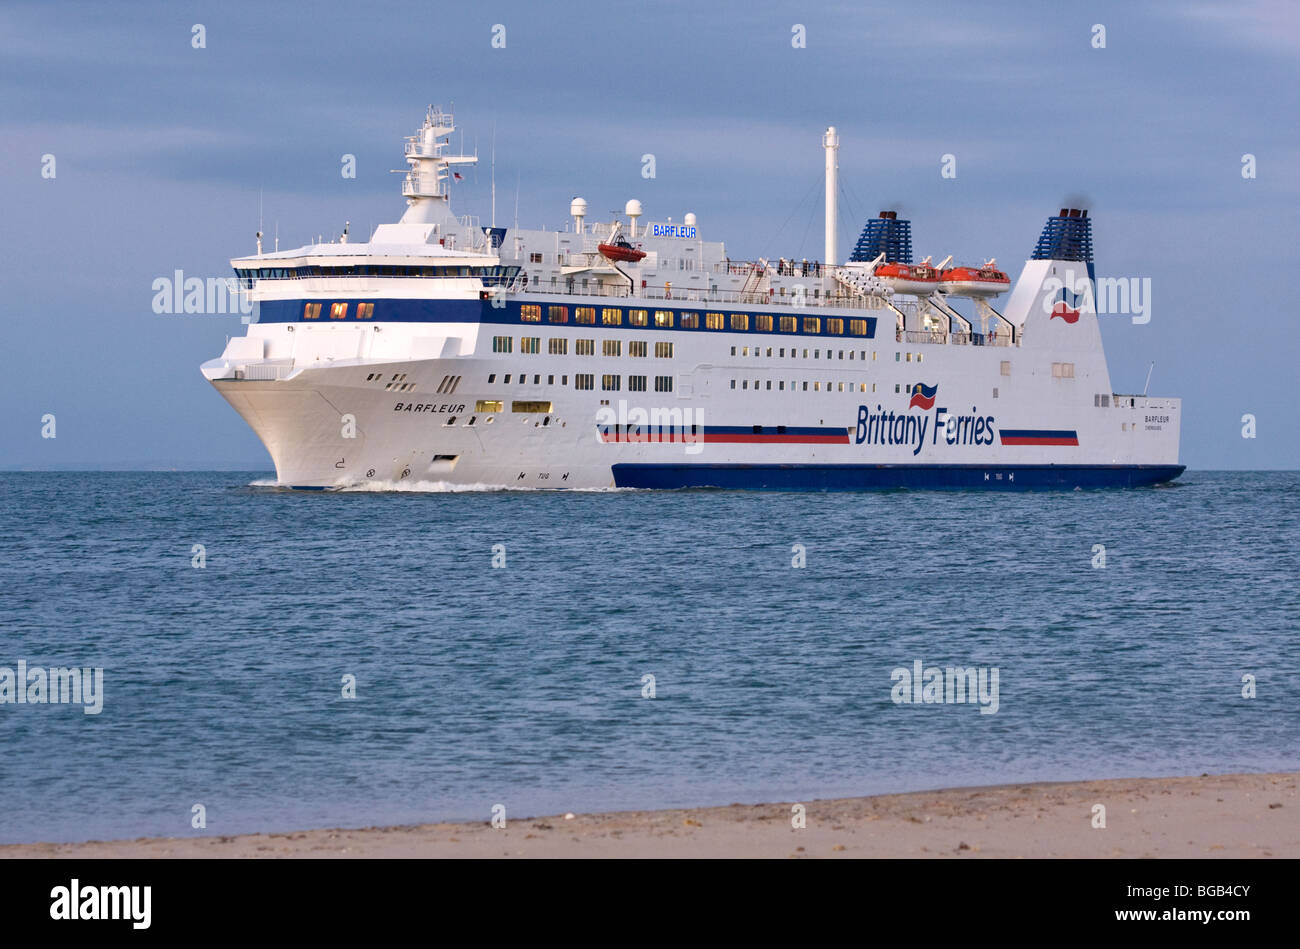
{"x": 892, "y": 477}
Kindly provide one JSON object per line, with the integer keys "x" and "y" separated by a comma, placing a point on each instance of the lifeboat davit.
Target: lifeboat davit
{"x": 986, "y": 281}
{"x": 621, "y": 251}
{"x": 917, "y": 279}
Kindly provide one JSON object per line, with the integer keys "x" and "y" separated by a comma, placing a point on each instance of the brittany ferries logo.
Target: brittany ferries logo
{"x": 911, "y": 428}
{"x": 1066, "y": 305}
{"x": 923, "y": 396}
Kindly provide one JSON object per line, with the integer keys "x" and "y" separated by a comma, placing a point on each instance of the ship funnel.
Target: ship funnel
{"x": 1068, "y": 236}
{"x": 885, "y": 235}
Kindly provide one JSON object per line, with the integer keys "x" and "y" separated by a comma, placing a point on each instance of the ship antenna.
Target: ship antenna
{"x": 1148, "y": 385}
{"x": 494, "y": 173}
{"x": 516, "y": 200}
{"x": 277, "y": 235}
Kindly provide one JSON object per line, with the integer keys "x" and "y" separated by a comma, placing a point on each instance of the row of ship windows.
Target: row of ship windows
{"x": 690, "y": 320}
{"x": 807, "y": 386}
{"x": 338, "y": 311}
{"x": 609, "y": 383}
{"x": 559, "y": 346}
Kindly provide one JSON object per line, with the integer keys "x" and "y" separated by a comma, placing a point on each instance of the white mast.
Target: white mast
{"x": 831, "y": 142}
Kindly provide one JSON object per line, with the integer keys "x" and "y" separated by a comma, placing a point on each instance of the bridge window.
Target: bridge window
{"x": 530, "y": 313}
{"x": 638, "y": 317}
{"x": 585, "y": 315}
{"x": 557, "y": 314}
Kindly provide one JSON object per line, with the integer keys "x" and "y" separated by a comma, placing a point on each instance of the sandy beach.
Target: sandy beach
{"x": 1233, "y": 815}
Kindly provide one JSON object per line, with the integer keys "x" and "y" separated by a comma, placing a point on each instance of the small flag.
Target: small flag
{"x": 458, "y": 177}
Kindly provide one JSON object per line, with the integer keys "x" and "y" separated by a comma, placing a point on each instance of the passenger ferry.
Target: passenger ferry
{"x": 640, "y": 355}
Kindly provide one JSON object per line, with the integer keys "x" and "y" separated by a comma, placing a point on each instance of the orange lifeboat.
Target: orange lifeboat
{"x": 621, "y": 251}
{"x": 986, "y": 281}
{"x": 917, "y": 279}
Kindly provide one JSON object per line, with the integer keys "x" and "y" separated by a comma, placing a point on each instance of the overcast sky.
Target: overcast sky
{"x": 162, "y": 150}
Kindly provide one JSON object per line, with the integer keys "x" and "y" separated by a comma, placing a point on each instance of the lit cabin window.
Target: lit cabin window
{"x": 338, "y": 311}
{"x": 488, "y": 405}
{"x": 788, "y": 325}
{"x": 740, "y": 322}
{"x": 586, "y": 315}
{"x": 763, "y": 324}
{"x": 611, "y": 383}
{"x": 365, "y": 311}
{"x": 638, "y": 317}
{"x": 713, "y": 321}
{"x": 812, "y": 324}
{"x": 530, "y": 313}
{"x": 690, "y": 321}
{"x": 557, "y": 346}
{"x": 501, "y": 344}
{"x": 530, "y": 344}
{"x": 534, "y": 258}
{"x": 836, "y": 328}
{"x": 663, "y": 318}
{"x": 584, "y": 347}
{"x": 311, "y": 311}
{"x": 611, "y": 316}
{"x": 531, "y": 408}
{"x": 858, "y": 327}
{"x": 664, "y": 350}
{"x": 611, "y": 347}
{"x": 557, "y": 314}
{"x": 637, "y": 347}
